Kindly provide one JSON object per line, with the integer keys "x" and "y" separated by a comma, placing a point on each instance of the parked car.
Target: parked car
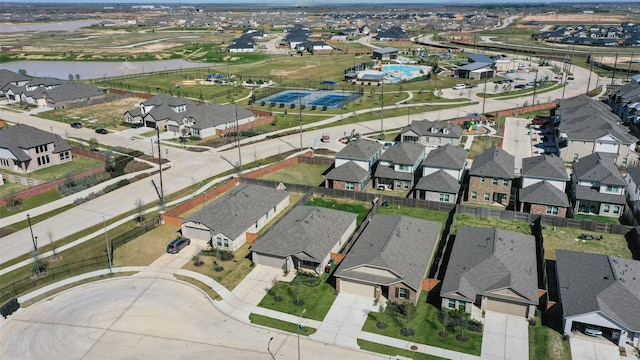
{"x": 76, "y": 125}
{"x": 520, "y": 86}
{"x": 382, "y": 187}
{"x": 592, "y": 331}
{"x": 178, "y": 244}
{"x": 101, "y": 131}
{"x": 137, "y": 125}
{"x": 459, "y": 86}
{"x": 325, "y": 138}
{"x": 539, "y": 121}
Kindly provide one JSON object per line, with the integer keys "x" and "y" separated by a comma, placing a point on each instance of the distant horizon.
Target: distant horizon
{"x": 314, "y": 3}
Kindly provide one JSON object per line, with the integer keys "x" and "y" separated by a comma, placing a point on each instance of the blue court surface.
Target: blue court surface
{"x": 318, "y": 98}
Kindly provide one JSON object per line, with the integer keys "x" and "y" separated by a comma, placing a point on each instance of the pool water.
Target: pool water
{"x": 398, "y": 72}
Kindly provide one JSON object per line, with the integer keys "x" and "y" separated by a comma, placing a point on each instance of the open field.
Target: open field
{"x": 109, "y": 114}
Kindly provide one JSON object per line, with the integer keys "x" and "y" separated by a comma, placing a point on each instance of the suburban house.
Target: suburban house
{"x": 442, "y": 172}
{"x": 478, "y": 67}
{"x": 302, "y": 239}
{"x": 225, "y": 222}
{"x": 493, "y": 269}
{"x": 387, "y": 53}
{"x": 390, "y": 258}
{"x": 49, "y": 92}
{"x": 24, "y": 149}
{"x": 72, "y": 94}
{"x": 11, "y": 79}
{"x": 364, "y": 153}
{"x": 544, "y": 185}
{"x": 393, "y": 33}
{"x": 600, "y": 291}
{"x": 597, "y": 186}
{"x": 196, "y": 119}
{"x": 632, "y": 179}
{"x": 588, "y": 126}
{"x": 432, "y": 133}
{"x": 491, "y": 177}
{"x": 348, "y": 176}
{"x": 399, "y": 166}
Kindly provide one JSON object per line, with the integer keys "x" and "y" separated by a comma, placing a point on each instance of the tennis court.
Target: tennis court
{"x": 329, "y": 100}
{"x": 332, "y": 99}
{"x": 289, "y": 96}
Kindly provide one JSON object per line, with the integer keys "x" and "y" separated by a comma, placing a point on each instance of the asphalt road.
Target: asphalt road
{"x": 189, "y": 167}
{"x": 146, "y": 318}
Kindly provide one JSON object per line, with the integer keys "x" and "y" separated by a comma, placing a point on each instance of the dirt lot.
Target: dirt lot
{"x": 109, "y": 114}
{"x": 579, "y": 17}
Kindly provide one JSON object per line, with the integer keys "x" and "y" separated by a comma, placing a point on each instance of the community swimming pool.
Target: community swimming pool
{"x": 399, "y": 72}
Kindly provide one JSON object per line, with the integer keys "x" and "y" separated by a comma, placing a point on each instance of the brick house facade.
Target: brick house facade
{"x": 480, "y": 185}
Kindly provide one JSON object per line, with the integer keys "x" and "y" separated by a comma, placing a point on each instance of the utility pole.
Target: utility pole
{"x": 160, "y": 166}
{"x": 300, "y": 117}
{"x": 589, "y": 79}
{"x": 382, "y": 112}
{"x": 106, "y": 239}
{"x": 238, "y": 143}
{"x": 484, "y": 97}
{"x": 613, "y": 72}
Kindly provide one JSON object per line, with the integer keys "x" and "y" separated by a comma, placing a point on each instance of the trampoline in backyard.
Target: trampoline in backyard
{"x": 318, "y": 98}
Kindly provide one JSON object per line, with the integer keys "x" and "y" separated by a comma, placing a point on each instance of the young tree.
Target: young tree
{"x": 77, "y": 77}
{"x": 13, "y": 201}
{"x": 409, "y": 313}
{"x": 70, "y": 77}
{"x": 139, "y": 210}
{"x": 22, "y": 72}
{"x": 53, "y": 248}
{"x": 93, "y": 144}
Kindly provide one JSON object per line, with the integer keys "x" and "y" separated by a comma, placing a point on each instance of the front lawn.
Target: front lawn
{"x": 316, "y": 298}
{"x": 427, "y": 329}
{"x": 359, "y": 207}
{"x": 393, "y": 351}
{"x": 146, "y": 248}
{"x": 233, "y": 271}
{"x": 279, "y": 324}
{"x": 79, "y": 163}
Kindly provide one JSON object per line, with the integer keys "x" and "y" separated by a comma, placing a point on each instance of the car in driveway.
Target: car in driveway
{"x": 102, "y": 131}
{"x": 177, "y": 244}
{"x": 76, "y": 125}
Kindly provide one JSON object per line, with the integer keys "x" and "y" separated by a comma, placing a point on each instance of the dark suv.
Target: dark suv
{"x": 76, "y": 125}
{"x": 178, "y": 244}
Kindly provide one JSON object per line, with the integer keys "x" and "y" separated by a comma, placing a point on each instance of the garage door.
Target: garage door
{"x": 357, "y": 288}
{"x": 195, "y": 233}
{"x": 261, "y": 259}
{"x": 506, "y": 307}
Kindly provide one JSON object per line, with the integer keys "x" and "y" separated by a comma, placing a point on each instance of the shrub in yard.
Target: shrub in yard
{"x": 224, "y": 255}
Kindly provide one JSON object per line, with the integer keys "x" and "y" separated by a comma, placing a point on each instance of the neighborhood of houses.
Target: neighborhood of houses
{"x": 626, "y": 34}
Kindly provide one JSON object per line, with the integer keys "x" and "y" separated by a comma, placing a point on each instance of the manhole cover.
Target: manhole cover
{"x": 414, "y": 347}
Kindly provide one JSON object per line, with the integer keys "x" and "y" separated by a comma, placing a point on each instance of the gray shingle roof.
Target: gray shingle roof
{"x": 634, "y": 173}
{"x": 406, "y": 153}
{"x": 307, "y": 232}
{"x": 494, "y": 162}
{"x": 7, "y": 77}
{"x": 164, "y": 99}
{"x": 387, "y": 172}
{"x": 588, "y": 193}
{"x": 208, "y": 115}
{"x": 363, "y": 150}
{"x": 595, "y": 282}
{"x": 72, "y": 91}
{"x": 349, "y": 171}
{"x": 237, "y": 210}
{"x": 18, "y": 137}
{"x": 439, "y": 181}
{"x": 545, "y": 166}
{"x": 598, "y": 167}
{"x": 423, "y": 128}
{"x": 446, "y": 157}
{"x": 544, "y": 193}
{"x": 484, "y": 260}
{"x": 399, "y": 244}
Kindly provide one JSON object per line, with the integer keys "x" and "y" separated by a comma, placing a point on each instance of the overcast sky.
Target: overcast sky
{"x": 324, "y": 2}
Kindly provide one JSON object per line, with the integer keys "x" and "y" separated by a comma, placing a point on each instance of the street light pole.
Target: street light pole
{"x": 106, "y": 239}
{"x": 300, "y": 326}
{"x": 269, "y": 349}
{"x": 34, "y": 240}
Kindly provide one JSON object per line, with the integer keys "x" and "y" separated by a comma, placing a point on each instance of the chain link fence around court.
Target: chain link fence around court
{"x": 51, "y": 274}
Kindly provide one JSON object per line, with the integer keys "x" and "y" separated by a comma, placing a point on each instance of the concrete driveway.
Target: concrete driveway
{"x": 146, "y": 318}
{"x": 255, "y": 285}
{"x": 345, "y": 320}
{"x": 505, "y": 337}
{"x": 583, "y": 348}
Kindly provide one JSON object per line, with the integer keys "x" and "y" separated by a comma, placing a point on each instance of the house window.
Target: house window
{"x": 575, "y": 157}
{"x": 407, "y": 184}
{"x": 226, "y": 243}
{"x": 4, "y": 162}
{"x": 196, "y": 132}
{"x": 403, "y": 167}
{"x": 505, "y": 182}
{"x": 552, "y": 210}
{"x": 43, "y": 160}
{"x": 624, "y": 161}
{"x": 606, "y": 208}
{"x": 612, "y": 189}
{"x": 410, "y": 138}
{"x": 451, "y": 141}
{"x": 403, "y": 293}
{"x": 444, "y": 197}
{"x": 439, "y": 140}
{"x": 349, "y": 185}
{"x": 426, "y": 139}
{"x": 616, "y": 209}
{"x": 495, "y": 182}
{"x": 462, "y": 306}
{"x": 219, "y": 241}
{"x": 64, "y": 155}
{"x": 482, "y": 179}
{"x": 398, "y": 184}
{"x": 474, "y": 195}
{"x": 486, "y": 197}
{"x": 267, "y": 215}
{"x": 452, "y": 304}
{"x": 256, "y": 224}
